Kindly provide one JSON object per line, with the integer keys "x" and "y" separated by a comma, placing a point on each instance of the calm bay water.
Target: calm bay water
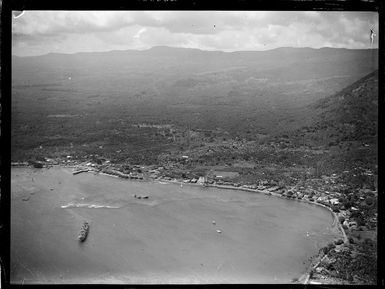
{"x": 168, "y": 238}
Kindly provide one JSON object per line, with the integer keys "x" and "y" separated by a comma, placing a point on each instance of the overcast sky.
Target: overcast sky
{"x": 37, "y": 32}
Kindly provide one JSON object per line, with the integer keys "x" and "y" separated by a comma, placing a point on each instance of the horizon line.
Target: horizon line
{"x": 188, "y": 48}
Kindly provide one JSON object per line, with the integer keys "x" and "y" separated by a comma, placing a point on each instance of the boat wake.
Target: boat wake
{"x": 89, "y": 206}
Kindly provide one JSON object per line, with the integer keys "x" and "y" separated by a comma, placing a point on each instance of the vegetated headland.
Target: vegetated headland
{"x": 309, "y": 134}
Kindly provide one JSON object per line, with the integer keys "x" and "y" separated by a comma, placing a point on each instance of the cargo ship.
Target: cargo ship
{"x": 84, "y": 232}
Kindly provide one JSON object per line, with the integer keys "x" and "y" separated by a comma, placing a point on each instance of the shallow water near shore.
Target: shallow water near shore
{"x": 168, "y": 238}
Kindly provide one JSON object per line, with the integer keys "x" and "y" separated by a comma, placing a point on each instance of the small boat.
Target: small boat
{"x": 84, "y": 232}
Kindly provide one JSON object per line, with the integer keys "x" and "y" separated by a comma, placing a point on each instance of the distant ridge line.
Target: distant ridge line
{"x": 186, "y": 49}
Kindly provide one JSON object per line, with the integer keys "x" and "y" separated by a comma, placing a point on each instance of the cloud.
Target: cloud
{"x": 50, "y": 22}
{"x": 212, "y": 30}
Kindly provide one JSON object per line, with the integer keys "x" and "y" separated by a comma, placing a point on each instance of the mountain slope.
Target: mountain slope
{"x": 247, "y": 90}
{"x": 97, "y": 100}
{"x": 346, "y": 124}
{"x": 351, "y": 114}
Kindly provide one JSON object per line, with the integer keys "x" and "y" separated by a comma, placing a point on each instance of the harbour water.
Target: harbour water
{"x": 180, "y": 234}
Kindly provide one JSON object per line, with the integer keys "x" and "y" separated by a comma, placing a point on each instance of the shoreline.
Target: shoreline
{"x": 267, "y": 193}
{"x": 303, "y": 279}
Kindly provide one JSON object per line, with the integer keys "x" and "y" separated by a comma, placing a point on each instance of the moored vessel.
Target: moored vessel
{"x": 84, "y": 232}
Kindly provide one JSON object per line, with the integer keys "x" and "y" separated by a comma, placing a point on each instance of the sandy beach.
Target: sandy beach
{"x": 171, "y": 237}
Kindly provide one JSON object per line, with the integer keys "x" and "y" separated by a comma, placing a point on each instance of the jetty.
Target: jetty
{"x": 79, "y": 171}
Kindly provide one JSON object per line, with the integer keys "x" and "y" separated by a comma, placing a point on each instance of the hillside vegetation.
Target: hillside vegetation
{"x": 346, "y": 123}
{"x": 300, "y": 123}
{"x": 97, "y": 99}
